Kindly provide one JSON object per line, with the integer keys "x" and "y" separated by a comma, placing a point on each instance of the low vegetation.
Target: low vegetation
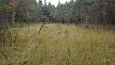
{"x": 84, "y": 34}
{"x": 57, "y": 44}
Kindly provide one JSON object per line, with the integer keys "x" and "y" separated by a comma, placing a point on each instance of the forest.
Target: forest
{"x": 37, "y": 32}
{"x": 79, "y": 11}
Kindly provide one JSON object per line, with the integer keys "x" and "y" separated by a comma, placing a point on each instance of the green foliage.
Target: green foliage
{"x": 28, "y": 11}
{"x": 5, "y": 9}
{"x": 78, "y": 11}
{"x": 67, "y": 12}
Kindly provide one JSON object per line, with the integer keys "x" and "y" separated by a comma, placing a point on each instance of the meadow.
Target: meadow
{"x": 58, "y": 44}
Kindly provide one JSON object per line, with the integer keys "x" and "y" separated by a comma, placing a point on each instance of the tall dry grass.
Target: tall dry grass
{"x": 59, "y": 45}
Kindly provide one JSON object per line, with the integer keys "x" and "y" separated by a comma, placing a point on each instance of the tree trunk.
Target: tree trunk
{"x": 13, "y": 17}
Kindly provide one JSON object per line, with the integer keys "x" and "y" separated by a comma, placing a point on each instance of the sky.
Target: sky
{"x": 55, "y": 2}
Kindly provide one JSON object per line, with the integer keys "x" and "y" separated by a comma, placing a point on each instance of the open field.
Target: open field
{"x": 58, "y": 45}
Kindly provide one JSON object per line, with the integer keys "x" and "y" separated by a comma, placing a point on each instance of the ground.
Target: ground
{"x": 60, "y": 44}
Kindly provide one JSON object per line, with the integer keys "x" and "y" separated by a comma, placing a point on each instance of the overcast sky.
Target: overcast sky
{"x": 55, "y": 2}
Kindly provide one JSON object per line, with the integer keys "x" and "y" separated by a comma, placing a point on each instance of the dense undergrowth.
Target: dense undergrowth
{"x": 57, "y": 44}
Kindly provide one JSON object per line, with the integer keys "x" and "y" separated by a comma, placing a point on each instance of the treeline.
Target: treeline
{"x": 18, "y": 10}
{"x": 79, "y": 11}
{"x": 87, "y": 12}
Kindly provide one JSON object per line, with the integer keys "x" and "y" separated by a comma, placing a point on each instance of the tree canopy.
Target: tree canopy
{"x": 79, "y": 11}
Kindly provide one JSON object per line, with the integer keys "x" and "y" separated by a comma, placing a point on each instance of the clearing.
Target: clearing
{"x": 60, "y": 45}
